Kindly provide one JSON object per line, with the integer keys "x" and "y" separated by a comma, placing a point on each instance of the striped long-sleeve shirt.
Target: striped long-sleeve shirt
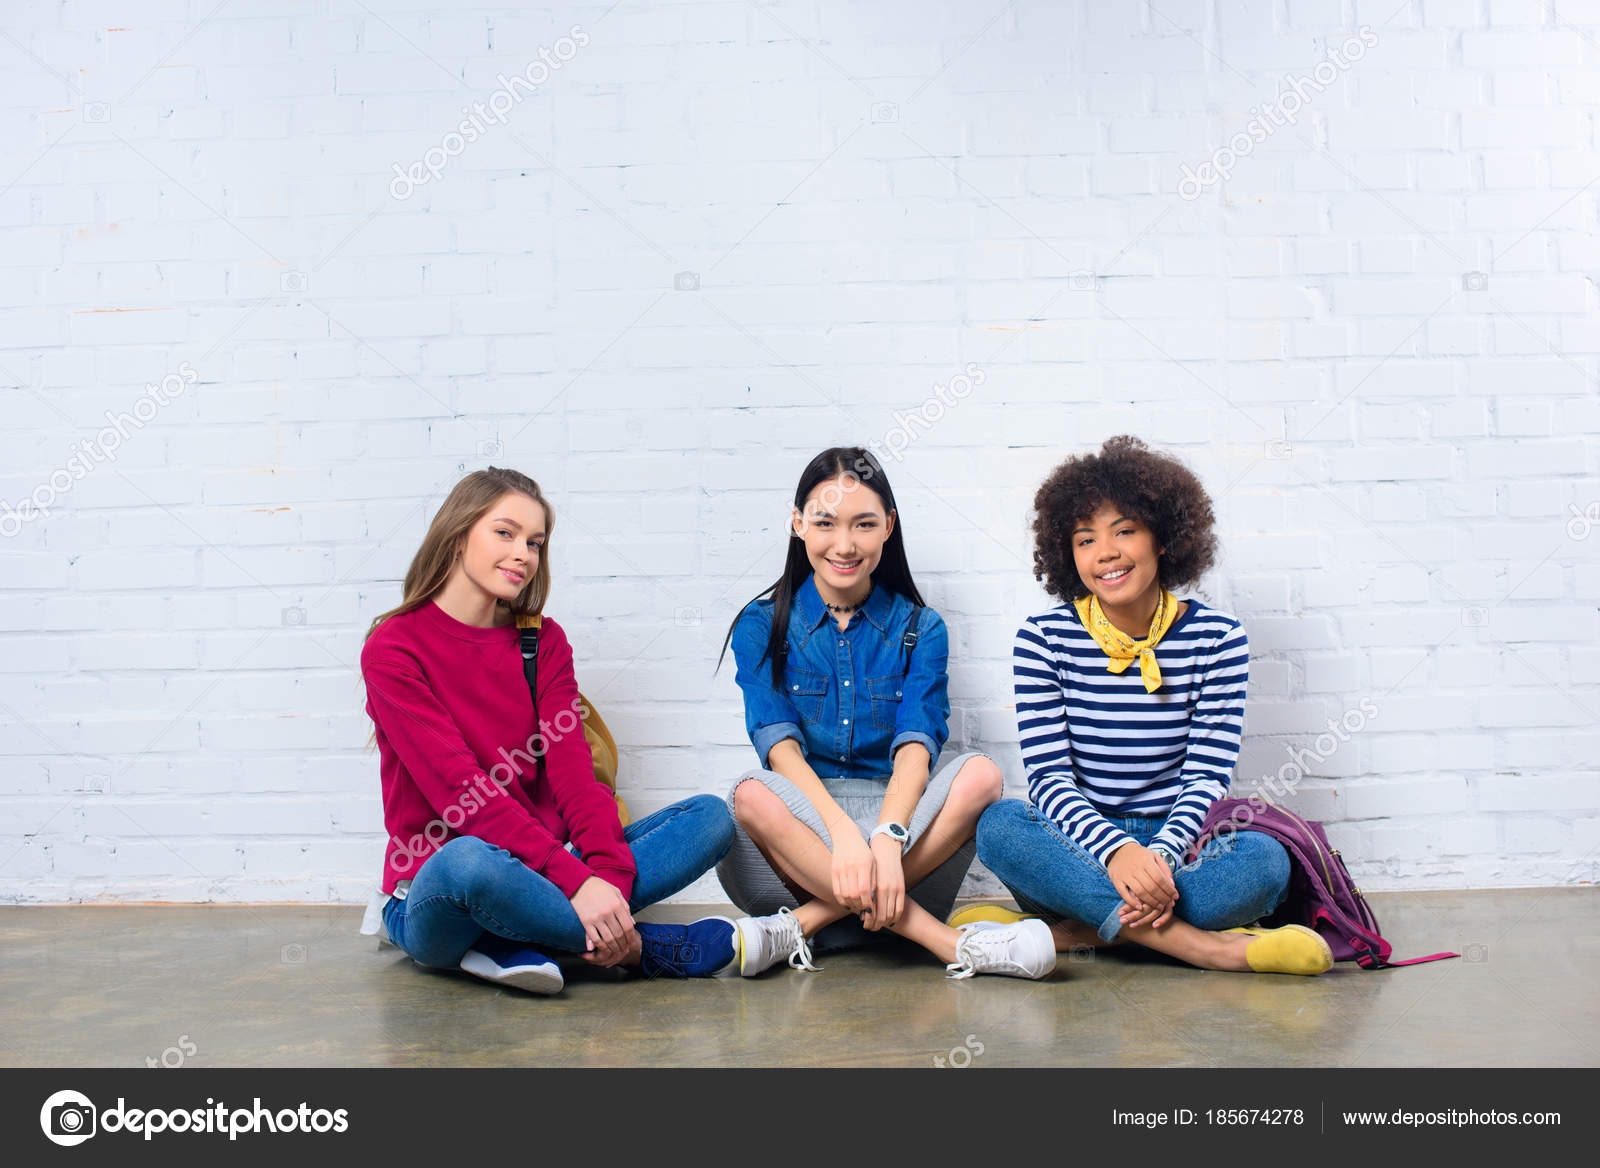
{"x": 1095, "y": 743}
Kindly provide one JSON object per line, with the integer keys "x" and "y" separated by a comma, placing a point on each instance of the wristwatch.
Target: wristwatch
{"x": 1172, "y": 861}
{"x": 895, "y": 831}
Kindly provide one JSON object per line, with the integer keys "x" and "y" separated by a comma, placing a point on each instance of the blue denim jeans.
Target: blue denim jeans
{"x": 470, "y": 887}
{"x": 1237, "y": 879}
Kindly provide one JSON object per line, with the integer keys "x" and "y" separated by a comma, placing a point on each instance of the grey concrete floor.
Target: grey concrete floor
{"x": 272, "y": 986}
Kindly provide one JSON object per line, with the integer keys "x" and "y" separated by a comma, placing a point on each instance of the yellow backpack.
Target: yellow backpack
{"x": 596, "y": 733}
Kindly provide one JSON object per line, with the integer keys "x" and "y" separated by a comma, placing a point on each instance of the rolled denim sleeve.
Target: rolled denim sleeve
{"x": 766, "y": 737}
{"x": 925, "y": 697}
{"x": 769, "y": 715}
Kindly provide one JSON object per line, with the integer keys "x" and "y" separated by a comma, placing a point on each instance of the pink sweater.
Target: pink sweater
{"x": 457, "y": 751}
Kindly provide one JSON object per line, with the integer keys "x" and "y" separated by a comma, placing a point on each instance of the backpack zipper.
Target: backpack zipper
{"x": 1327, "y": 874}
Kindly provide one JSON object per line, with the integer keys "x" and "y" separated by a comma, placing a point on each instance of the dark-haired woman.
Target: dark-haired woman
{"x": 1130, "y": 707}
{"x": 503, "y": 847}
{"x": 843, "y": 671}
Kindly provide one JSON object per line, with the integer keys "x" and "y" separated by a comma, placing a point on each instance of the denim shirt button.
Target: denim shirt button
{"x": 847, "y": 721}
{"x": 847, "y": 682}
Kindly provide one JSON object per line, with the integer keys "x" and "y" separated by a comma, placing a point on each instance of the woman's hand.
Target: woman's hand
{"x": 889, "y": 885}
{"x": 853, "y": 868}
{"x": 615, "y": 953}
{"x": 607, "y": 923}
{"x": 1144, "y": 882}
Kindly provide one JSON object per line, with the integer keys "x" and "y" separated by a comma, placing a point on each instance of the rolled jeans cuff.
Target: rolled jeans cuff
{"x": 1111, "y": 926}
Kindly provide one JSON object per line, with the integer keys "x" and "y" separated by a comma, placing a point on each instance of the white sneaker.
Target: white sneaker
{"x": 763, "y": 940}
{"x": 1025, "y": 949}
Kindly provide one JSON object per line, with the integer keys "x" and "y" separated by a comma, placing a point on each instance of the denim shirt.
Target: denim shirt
{"x": 848, "y": 698}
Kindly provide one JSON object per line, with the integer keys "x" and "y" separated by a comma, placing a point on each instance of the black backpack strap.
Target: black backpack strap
{"x": 530, "y": 663}
{"x": 910, "y": 638}
{"x": 530, "y": 670}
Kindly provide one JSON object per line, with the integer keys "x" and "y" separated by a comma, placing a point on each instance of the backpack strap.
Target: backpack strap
{"x": 530, "y": 663}
{"x": 909, "y": 640}
{"x": 529, "y": 633}
{"x": 1372, "y": 951}
{"x": 1409, "y": 961}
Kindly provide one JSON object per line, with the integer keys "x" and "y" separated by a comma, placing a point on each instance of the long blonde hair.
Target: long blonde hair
{"x": 464, "y": 506}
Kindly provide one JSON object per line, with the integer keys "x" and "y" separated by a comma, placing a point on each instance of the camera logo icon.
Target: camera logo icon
{"x": 686, "y": 282}
{"x": 686, "y": 617}
{"x": 96, "y": 111}
{"x": 885, "y": 111}
{"x": 1583, "y": 522}
{"x": 490, "y": 448}
{"x": 292, "y": 954}
{"x": 1475, "y": 618}
{"x": 1279, "y": 450}
{"x": 68, "y": 1118}
{"x": 293, "y": 281}
{"x": 1475, "y": 281}
{"x": 293, "y": 616}
{"x": 1081, "y": 281}
{"x": 1476, "y": 954}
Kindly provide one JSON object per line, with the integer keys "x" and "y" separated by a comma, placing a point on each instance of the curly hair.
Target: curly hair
{"x": 1153, "y": 487}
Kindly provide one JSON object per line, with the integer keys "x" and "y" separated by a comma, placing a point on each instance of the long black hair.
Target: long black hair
{"x": 892, "y": 571}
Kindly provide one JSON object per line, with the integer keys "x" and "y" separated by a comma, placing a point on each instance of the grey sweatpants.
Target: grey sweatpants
{"x": 751, "y": 883}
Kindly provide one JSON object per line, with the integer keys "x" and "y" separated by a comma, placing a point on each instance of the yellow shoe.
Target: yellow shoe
{"x": 998, "y": 913}
{"x": 1291, "y": 949}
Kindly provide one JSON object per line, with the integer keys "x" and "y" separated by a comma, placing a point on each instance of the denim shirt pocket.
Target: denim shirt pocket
{"x": 807, "y": 690}
{"x": 885, "y": 693}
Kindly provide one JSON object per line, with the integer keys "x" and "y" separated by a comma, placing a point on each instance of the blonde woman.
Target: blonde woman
{"x": 503, "y": 847}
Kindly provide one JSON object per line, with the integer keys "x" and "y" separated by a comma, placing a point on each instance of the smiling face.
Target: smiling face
{"x": 501, "y": 550}
{"x": 844, "y": 526}
{"x": 1118, "y": 559}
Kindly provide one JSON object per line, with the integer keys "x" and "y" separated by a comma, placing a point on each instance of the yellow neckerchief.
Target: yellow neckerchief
{"x": 1121, "y": 648}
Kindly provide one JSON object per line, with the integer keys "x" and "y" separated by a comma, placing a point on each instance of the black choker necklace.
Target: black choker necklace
{"x": 845, "y": 607}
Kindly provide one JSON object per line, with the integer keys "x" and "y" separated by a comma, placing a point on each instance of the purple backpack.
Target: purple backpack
{"x": 1321, "y": 894}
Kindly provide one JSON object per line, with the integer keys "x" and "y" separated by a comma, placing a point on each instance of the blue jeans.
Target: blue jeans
{"x": 470, "y": 887}
{"x": 1238, "y": 878}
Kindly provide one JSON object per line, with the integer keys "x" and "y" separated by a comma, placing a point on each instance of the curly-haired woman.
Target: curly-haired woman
{"x": 1130, "y": 708}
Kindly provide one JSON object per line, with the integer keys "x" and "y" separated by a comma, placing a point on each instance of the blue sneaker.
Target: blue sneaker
{"x": 512, "y": 963}
{"x": 702, "y": 949}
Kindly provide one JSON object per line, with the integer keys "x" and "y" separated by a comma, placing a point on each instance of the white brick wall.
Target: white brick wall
{"x": 1376, "y": 340}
